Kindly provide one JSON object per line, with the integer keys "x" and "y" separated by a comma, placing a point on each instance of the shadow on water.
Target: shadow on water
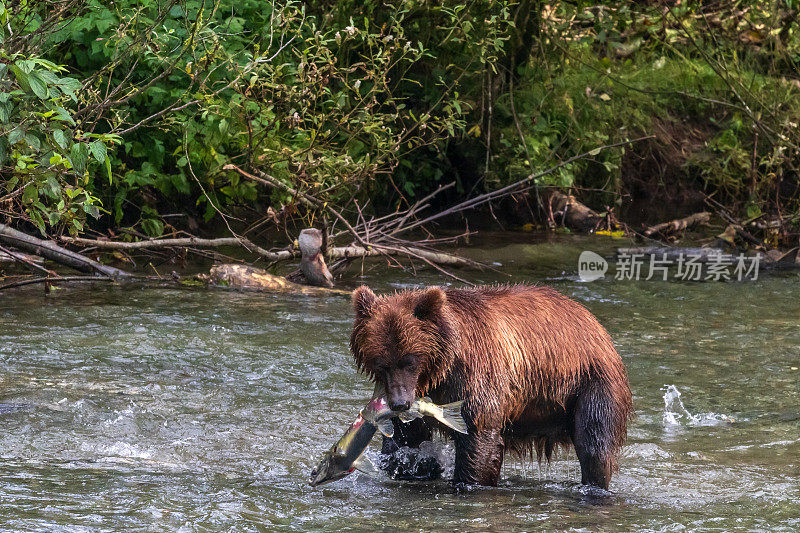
{"x": 206, "y": 410}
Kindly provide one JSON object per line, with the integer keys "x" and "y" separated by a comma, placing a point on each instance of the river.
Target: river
{"x": 204, "y": 410}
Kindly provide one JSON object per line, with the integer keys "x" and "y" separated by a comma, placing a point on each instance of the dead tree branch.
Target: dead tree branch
{"x": 50, "y": 279}
{"x": 50, "y": 250}
{"x": 680, "y": 224}
{"x": 371, "y": 238}
{"x": 182, "y": 242}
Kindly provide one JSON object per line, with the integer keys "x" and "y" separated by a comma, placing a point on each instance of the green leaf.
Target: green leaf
{"x": 15, "y": 136}
{"x": 153, "y": 227}
{"x": 180, "y": 183}
{"x": 4, "y": 113}
{"x": 38, "y": 86}
{"x": 49, "y": 65}
{"x": 47, "y": 77}
{"x": 79, "y": 155}
{"x": 108, "y": 168}
{"x": 22, "y": 77}
{"x": 54, "y": 187}
{"x": 753, "y": 210}
{"x": 98, "y": 150}
{"x": 37, "y": 220}
{"x": 91, "y": 210}
{"x": 64, "y": 115}
{"x": 30, "y": 194}
{"x": 33, "y": 141}
{"x": 60, "y": 138}
{"x": 69, "y": 86}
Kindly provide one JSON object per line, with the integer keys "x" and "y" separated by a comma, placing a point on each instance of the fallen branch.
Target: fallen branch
{"x": 49, "y": 279}
{"x": 50, "y": 250}
{"x": 23, "y": 259}
{"x": 440, "y": 258}
{"x": 680, "y": 224}
{"x": 373, "y": 239}
{"x": 182, "y": 242}
{"x": 252, "y": 278}
{"x": 6, "y": 258}
{"x": 340, "y": 252}
{"x": 737, "y": 229}
{"x": 673, "y": 254}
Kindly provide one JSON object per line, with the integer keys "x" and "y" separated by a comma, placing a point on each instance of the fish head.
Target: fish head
{"x": 376, "y": 410}
{"x": 330, "y": 468}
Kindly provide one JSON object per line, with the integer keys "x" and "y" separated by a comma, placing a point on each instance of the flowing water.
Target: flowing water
{"x": 205, "y": 410}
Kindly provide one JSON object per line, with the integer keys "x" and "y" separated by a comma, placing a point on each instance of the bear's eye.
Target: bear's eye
{"x": 406, "y": 362}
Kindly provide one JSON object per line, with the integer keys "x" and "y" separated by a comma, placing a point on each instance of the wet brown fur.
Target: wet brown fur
{"x": 536, "y": 370}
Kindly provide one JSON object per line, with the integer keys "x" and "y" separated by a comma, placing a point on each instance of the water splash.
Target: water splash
{"x": 676, "y": 414}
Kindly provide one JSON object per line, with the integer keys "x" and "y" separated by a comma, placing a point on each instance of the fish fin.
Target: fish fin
{"x": 386, "y": 427}
{"x": 407, "y": 416}
{"x": 452, "y": 418}
{"x": 363, "y": 464}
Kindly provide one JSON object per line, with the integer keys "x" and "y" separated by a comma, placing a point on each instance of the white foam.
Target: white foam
{"x": 676, "y": 414}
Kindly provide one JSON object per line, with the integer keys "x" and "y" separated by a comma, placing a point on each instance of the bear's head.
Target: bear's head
{"x": 403, "y": 341}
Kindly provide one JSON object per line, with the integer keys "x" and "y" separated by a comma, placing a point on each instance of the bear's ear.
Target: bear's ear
{"x": 430, "y": 303}
{"x": 363, "y": 299}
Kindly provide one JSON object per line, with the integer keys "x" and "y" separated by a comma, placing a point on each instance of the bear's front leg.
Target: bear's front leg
{"x": 411, "y": 466}
{"x": 479, "y": 457}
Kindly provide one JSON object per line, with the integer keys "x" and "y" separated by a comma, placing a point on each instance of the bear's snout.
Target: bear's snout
{"x": 399, "y": 392}
{"x": 402, "y": 405}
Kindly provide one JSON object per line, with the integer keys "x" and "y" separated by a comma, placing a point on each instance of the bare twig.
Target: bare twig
{"x": 307, "y": 199}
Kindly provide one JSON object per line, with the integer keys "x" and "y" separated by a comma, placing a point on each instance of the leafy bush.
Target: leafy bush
{"x": 327, "y": 101}
{"x": 129, "y": 110}
{"x": 48, "y": 162}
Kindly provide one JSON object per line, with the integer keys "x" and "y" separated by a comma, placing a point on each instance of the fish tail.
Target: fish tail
{"x": 365, "y": 464}
{"x": 451, "y": 416}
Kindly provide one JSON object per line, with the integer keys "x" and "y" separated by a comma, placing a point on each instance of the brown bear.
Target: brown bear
{"x": 535, "y": 368}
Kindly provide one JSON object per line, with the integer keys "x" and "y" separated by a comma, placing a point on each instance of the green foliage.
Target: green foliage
{"x": 129, "y": 109}
{"x": 716, "y": 87}
{"x": 48, "y": 162}
{"x": 329, "y": 100}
